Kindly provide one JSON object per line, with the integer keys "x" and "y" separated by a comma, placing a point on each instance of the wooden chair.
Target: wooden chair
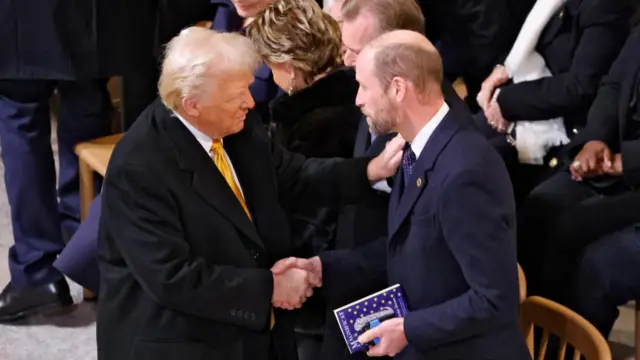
{"x": 571, "y": 328}
{"x": 522, "y": 284}
{"x": 460, "y": 88}
{"x": 638, "y": 329}
{"x": 93, "y": 157}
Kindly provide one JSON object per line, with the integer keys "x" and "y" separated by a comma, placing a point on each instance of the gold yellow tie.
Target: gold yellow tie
{"x": 225, "y": 169}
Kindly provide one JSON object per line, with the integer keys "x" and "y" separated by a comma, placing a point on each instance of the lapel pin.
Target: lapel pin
{"x": 419, "y": 182}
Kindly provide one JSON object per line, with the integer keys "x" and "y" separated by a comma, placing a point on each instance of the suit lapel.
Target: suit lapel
{"x": 403, "y": 200}
{"x": 251, "y": 169}
{"x": 394, "y": 201}
{"x": 207, "y": 180}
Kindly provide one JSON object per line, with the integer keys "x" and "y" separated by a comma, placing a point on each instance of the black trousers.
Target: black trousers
{"x": 139, "y": 89}
{"x": 524, "y": 177}
{"x": 273, "y": 354}
{"x": 559, "y": 219}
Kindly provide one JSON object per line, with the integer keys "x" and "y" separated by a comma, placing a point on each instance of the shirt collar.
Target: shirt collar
{"x": 420, "y": 141}
{"x": 204, "y": 140}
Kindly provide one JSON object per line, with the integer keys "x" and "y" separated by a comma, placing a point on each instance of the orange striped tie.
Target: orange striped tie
{"x": 225, "y": 169}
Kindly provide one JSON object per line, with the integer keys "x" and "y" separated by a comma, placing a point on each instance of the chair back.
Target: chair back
{"x": 572, "y": 329}
{"x": 638, "y": 317}
{"x": 522, "y": 284}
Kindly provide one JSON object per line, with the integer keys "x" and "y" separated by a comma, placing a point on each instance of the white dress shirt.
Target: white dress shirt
{"x": 206, "y": 142}
{"x": 420, "y": 141}
{"x": 418, "y": 144}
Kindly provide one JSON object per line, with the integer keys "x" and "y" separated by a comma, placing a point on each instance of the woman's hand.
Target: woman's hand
{"x": 498, "y": 77}
{"x": 495, "y": 119}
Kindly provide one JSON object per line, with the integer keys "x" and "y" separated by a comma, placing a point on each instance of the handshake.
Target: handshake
{"x": 294, "y": 280}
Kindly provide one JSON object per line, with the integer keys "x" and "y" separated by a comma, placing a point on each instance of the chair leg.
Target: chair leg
{"x": 638, "y": 329}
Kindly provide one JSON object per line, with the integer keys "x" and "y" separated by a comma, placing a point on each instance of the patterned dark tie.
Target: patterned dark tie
{"x": 408, "y": 160}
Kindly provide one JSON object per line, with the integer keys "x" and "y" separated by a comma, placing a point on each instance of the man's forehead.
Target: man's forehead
{"x": 359, "y": 29}
{"x": 364, "y": 63}
{"x": 233, "y": 78}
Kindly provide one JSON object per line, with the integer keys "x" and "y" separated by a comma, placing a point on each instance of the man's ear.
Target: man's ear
{"x": 398, "y": 88}
{"x": 191, "y": 106}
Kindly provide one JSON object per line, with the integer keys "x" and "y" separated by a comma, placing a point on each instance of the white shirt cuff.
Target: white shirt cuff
{"x": 382, "y": 185}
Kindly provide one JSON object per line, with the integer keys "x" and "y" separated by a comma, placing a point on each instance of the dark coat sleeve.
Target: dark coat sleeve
{"x": 324, "y": 182}
{"x": 605, "y": 26}
{"x": 630, "y": 152}
{"x": 484, "y": 248}
{"x": 603, "y": 116}
{"x": 630, "y": 149}
{"x": 352, "y": 272}
{"x": 143, "y": 220}
{"x": 603, "y": 121}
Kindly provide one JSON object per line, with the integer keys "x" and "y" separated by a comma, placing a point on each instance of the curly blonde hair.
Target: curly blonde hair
{"x": 300, "y": 33}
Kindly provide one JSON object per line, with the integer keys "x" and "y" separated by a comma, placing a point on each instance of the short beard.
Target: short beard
{"x": 384, "y": 122}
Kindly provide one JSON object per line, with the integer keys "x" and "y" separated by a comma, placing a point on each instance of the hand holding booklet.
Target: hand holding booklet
{"x": 362, "y": 315}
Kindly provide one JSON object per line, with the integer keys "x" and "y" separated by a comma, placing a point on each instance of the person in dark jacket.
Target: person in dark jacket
{"x": 193, "y": 216}
{"x": 71, "y": 48}
{"x": 451, "y": 239}
{"x": 472, "y": 36}
{"x": 594, "y": 197}
{"x": 316, "y": 118}
{"x": 364, "y": 223}
{"x": 77, "y": 261}
{"x": 140, "y": 88}
{"x": 577, "y": 44}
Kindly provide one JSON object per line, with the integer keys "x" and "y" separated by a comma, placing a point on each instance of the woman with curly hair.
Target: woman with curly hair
{"x": 317, "y": 117}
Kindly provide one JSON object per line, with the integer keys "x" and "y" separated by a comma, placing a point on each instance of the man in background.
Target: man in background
{"x": 140, "y": 87}
{"x": 71, "y": 48}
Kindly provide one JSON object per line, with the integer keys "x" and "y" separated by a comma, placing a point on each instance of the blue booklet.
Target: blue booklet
{"x": 364, "y": 314}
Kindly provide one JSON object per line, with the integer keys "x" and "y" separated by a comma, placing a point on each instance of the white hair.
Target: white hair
{"x": 196, "y": 57}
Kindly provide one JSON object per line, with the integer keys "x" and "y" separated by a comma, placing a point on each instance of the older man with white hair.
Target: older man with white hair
{"x": 192, "y": 218}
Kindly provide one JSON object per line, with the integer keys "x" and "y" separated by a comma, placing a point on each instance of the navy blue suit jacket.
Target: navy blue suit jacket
{"x": 451, "y": 245}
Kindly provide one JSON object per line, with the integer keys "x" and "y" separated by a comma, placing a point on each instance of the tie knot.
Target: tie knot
{"x": 216, "y": 145}
{"x": 408, "y": 154}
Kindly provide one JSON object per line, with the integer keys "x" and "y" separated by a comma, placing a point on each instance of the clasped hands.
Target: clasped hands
{"x": 595, "y": 159}
{"x": 294, "y": 280}
{"x": 489, "y": 106}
